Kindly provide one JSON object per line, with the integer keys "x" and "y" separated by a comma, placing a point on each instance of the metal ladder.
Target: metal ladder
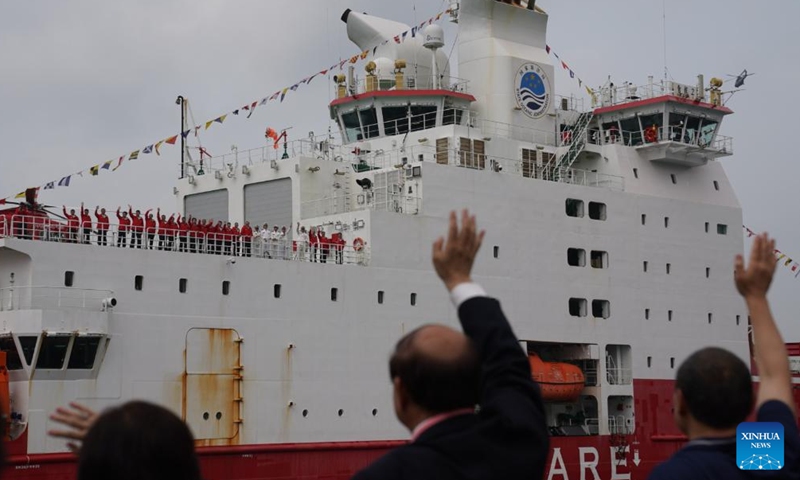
{"x": 576, "y": 147}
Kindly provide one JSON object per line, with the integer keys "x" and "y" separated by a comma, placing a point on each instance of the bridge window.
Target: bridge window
{"x": 13, "y": 362}
{"x": 707, "y": 130}
{"x": 53, "y": 352}
{"x": 352, "y": 126}
{"x": 395, "y": 120}
{"x": 422, "y": 117}
{"x": 369, "y": 119}
{"x": 84, "y": 351}
{"x": 452, "y": 116}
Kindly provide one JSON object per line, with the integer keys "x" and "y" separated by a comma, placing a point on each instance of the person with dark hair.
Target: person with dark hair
{"x": 73, "y": 223}
{"x": 135, "y": 441}
{"x": 122, "y": 229}
{"x": 102, "y": 226}
{"x": 468, "y": 399}
{"x": 137, "y": 227}
{"x": 86, "y": 226}
{"x": 714, "y": 392}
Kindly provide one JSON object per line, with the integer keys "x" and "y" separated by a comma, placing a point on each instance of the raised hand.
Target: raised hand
{"x": 754, "y": 280}
{"x": 453, "y": 260}
{"x": 79, "y": 418}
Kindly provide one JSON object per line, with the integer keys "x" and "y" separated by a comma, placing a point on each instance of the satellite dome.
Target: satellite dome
{"x": 433, "y": 37}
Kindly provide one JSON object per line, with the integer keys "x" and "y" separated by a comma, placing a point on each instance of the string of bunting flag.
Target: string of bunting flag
{"x": 572, "y": 74}
{"x": 248, "y": 109}
{"x": 788, "y": 262}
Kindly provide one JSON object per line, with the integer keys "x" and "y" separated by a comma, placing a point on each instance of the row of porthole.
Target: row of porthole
{"x": 340, "y": 412}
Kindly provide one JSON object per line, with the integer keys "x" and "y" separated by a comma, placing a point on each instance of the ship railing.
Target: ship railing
{"x": 50, "y": 298}
{"x": 383, "y": 83}
{"x": 675, "y": 134}
{"x": 490, "y": 128}
{"x": 386, "y": 199}
{"x": 171, "y": 240}
{"x": 618, "y": 425}
{"x": 619, "y": 376}
{"x": 611, "y": 94}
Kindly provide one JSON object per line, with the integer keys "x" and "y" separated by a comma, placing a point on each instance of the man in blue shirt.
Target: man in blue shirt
{"x": 714, "y": 393}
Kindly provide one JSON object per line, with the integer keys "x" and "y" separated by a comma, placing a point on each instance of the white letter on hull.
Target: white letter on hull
{"x": 561, "y": 469}
{"x": 615, "y": 463}
{"x": 589, "y": 465}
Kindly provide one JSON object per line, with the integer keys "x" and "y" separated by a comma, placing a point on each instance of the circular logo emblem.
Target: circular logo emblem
{"x": 533, "y": 90}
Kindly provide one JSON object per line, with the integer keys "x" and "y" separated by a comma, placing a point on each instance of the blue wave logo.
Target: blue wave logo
{"x": 532, "y": 91}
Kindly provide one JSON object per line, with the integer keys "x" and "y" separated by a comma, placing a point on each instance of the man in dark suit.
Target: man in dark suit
{"x": 440, "y": 375}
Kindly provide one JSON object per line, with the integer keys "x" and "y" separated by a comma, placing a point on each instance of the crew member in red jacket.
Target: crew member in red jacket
{"x": 163, "y": 226}
{"x": 124, "y": 226}
{"x": 86, "y": 226}
{"x": 183, "y": 234}
{"x": 236, "y": 237}
{"x": 247, "y": 239}
{"x": 102, "y": 226}
{"x": 313, "y": 241}
{"x": 324, "y": 245}
{"x": 171, "y": 232}
{"x": 137, "y": 227}
{"x": 72, "y": 225}
{"x": 195, "y": 232}
{"x": 149, "y": 228}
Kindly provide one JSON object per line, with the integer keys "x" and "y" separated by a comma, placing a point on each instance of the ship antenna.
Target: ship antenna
{"x": 664, "y": 28}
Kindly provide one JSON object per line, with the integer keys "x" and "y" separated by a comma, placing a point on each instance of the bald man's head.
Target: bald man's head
{"x": 439, "y": 368}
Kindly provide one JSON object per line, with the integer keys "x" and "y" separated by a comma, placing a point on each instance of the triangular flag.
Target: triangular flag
{"x": 547, "y": 47}
{"x": 263, "y": 101}
{"x": 246, "y": 107}
{"x": 236, "y": 112}
{"x": 148, "y": 149}
{"x": 564, "y": 65}
{"x": 794, "y": 267}
{"x": 354, "y": 59}
{"x": 208, "y": 123}
{"x": 64, "y": 182}
{"x": 375, "y": 50}
{"x": 438, "y": 17}
{"x": 20, "y": 195}
{"x": 172, "y": 140}
{"x": 119, "y": 163}
{"x": 589, "y": 90}
{"x": 158, "y": 145}
{"x": 107, "y": 165}
{"x": 95, "y": 170}
{"x": 80, "y": 174}
{"x": 364, "y": 54}
{"x": 341, "y": 64}
{"x": 322, "y": 72}
{"x": 134, "y": 155}
{"x": 220, "y": 119}
{"x": 275, "y": 95}
{"x": 49, "y": 185}
{"x": 556, "y": 55}
{"x": 571, "y": 74}
{"x": 414, "y": 31}
{"x": 283, "y": 93}
{"x": 780, "y": 257}
{"x": 397, "y": 39}
{"x": 787, "y": 262}
{"x": 186, "y": 133}
{"x": 311, "y": 78}
{"x": 196, "y": 128}
{"x": 294, "y": 87}
{"x": 404, "y": 35}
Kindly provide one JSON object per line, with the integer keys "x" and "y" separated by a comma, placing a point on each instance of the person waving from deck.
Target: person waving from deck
{"x": 124, "y": 225}
{"x": 102, "y": 226}
{"x": 714, "y": 390}
{"x": 440, "y": 375}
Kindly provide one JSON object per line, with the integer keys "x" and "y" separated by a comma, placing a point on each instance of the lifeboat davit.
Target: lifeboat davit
{"x": 559, "y": 382}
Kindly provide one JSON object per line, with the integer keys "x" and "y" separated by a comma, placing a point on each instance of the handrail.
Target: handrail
{"x": 47, "y": 297}
{"x": 674, "y": 134}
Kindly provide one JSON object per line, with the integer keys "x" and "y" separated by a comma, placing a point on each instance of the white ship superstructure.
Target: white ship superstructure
{"x": 611, "y": 231}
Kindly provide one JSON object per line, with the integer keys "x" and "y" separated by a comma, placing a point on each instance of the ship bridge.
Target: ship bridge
{"x": 666, "y": 122}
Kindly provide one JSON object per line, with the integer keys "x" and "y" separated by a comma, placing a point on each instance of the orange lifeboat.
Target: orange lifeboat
{"x": 559, "y": 382}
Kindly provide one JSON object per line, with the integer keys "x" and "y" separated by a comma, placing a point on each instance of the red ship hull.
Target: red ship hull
{"x": 629, "y": 457}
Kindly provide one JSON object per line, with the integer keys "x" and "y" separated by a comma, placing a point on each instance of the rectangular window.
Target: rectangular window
{"x": 413, "y": 299}
{"x": 69, "y": 278}
{"x": 674, "y": 178}
{"x": 576, "y": 257}
{"x": 380, "y": 297}
{"x": 722, "y": 229}
{"x": 601, "y": 308}
{"x": 649, "y": 362}
{"x": 635, "y": 173}
{"x": 28, "y": 344}
{"x": 710, "y": 318}
{"x": 577, "y": 307}
{"x": 669, "y": 315}
{"x": 138, "y": 282}
{"x": 395, "y": 120}
{"x": 84, "y": 351}
{"x": 671, "y": 362}
{"x": 226, "y": 287}
{"x": 669, "y": 268}
{"x": 574, "y": 208}
{"x": 644, "y": 266}
{"x": 716, "y": 185}
{"x": 182, "y": 285}
{"x": 738, "y": 319}
{"x": 496, "y": 251}
{"x": 53, "y": 352}
{"x": 708, "y": 272}
{"x": 599, "y": 259}
{"x": 647, "y": 314}
{"x": 597, "y": 211}
{"x": 666, "y": 222}
{"x": 707, "y": 227}
{"x": 334, "y": 294}
{"x": 276, "y": 290}
{"x": 13, "y": 362}
{"x": 644, "y": 219}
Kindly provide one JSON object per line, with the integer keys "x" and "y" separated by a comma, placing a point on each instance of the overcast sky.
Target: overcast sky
{"x": 86, "y": 81}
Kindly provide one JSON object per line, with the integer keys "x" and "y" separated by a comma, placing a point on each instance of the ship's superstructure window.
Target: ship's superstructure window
{"x": 597, "y": 211}
{"x": 647, "y": 314}
{"x": 226, "y": 287}
{"x": 708, "y": 226}
{"x": 669, "y": 268}
{"x": 380, "y": 297}
{"x": 577, "y": 307}
{"x": 618, "y": 364}
{"x": 182, "y": 283}
{"x": 599, "y": 259}
{"x": 649, "y": 362}
{"x": 574, "y": 208}
{"x": 413, "y": 299}
{"x": 138, "y": 282}
{"x": 334, "y": 294}
{"x": 666, "y": 222}
{"x": 601, "y": 308}
{"x": 13, "y": 362}
{"x": 352, "y": 126}
{"x": 28, "y": 344}
{"x": 669, "y": 315}
{"x": 69, "y": 278}
{"x": 276, "y": 290}
{"x": 722, "y": 229}
{"x": 644, "y": 266}
{"x": 452, "y": 116}
{"x": 576, "y": 257}
{"x": 673, "y": 178}
{"x": 710, "y": 318}
{"x": 496, "y": 251}
{"x": 708, "y": 272}
{"x": 422, "y": 117}
{"x": 635, "y": 173}
{"x": 716, "y": 185}
{"x": 395, "y": 120}
{"x": 53, "y": 352}
{"x": 84, "y": 351}
{"x": 671, "y": 362}
{"x": 644, "y": 219}
{"x": 738, "y": 319}
{"x": 369, "y": 119}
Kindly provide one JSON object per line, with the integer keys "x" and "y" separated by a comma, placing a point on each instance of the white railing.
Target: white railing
{"x": 611, "y": 94}
{"x": 718, "y": 143}
{"x": 619, "y": 376}
{"x": 382, "y": 200}
{"x": 25, "y": 298}
{"x": 410, "y": 82}
{"x": 31, "y": 228}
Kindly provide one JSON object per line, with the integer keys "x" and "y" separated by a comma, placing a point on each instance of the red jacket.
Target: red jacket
{"x": 86, "y": 220}
{"x": 235, "y": 233}
{"x": 312, "y": 238}
{"x": 247, "y": 232}
{"x": 183, "y": 227}
{"x": 226, "y": 233}
{"x": 124, "y": 222}
{"x": 72, "y": 220}
{"x": 150, "y": 224}
{"x": 136, "y": 222}
{"x": 102, "y": 220}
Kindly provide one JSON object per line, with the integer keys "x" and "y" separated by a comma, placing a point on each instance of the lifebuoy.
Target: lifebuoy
{"x": 358, "y": 244}
{"x": 651, "y": 135}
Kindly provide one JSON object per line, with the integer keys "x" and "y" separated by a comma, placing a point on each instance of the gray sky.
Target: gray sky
{"x": 86, "y": 81}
